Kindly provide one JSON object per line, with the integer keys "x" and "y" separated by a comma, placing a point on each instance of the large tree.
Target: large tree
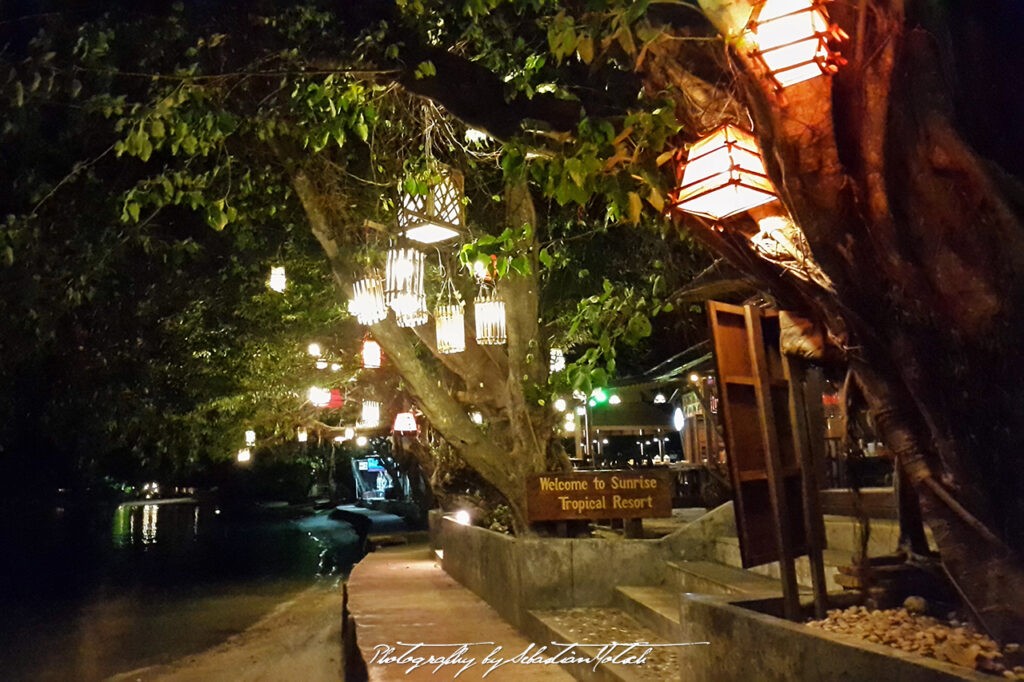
{"x": 898, "y": 172}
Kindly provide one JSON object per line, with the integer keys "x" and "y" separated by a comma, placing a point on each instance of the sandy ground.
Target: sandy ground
{"x": 299, "y": 640}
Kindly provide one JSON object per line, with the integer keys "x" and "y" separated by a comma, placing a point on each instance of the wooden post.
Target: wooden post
{"x": 773, "y": 461}
{"x": 633, "y": 528}
{"x": 808, "y": 432}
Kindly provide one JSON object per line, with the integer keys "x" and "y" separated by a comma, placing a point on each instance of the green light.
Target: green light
{"x": 592, "y": 402}
{"x": 599, "y": 395}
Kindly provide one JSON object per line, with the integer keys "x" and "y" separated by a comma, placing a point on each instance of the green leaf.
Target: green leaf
{"x": 639, "y": 327}
{"x": 545, "y": 258}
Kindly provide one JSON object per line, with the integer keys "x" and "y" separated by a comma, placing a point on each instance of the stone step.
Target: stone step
{"x": 655, "y": 608}
{"x": 601, "y": 625}
{"x": 727, "y": 551}
{"x": 708, "y": 577}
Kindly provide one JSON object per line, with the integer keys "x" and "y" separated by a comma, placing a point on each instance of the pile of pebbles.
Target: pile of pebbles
{"x": 910, "y": 630}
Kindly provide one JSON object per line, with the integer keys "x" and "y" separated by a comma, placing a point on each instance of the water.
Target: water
{"x": 166, "y": 579}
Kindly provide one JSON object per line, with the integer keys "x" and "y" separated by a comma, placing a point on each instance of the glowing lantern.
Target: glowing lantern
{"x": 244, "y": 455}
{"x": 489, "y": 311}
{"x": 362, "y": 441}
{"x": 321, "y": 363}
{"x": 367, "y": 302}
{"x": 437, "y": 215}
{"x": 301, "y": 435}
{"x": 250, "y": 437}
{"x": 557, "y": 360}
{"x": 277, "y": 281}
{"x": 314, "y": 349}
{"x": 405, "y": 422}
{"x": 450, "y": 325}
{"x": 349, "y": 433}
{"x": 320, "y": 397}
{"x": 724, "y": 175}
{"x": 372, "y": 355}
{"x": 560, "y": 405}
{"x": 370, "y": 415}
{"x": 462, "y": 517}
{"x": 403, "y": 287}
{"x": 790, "y": 39}
{"x": 336, "y": 400}
{"x": 476, "y": 417}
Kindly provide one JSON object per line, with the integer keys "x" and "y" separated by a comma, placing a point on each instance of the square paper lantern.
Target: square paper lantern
{"x": 489, "y": 311}
{"x": 372, "y": 355}
{"x": 435, "y": 216}
{"x": 403, "y": 287}
{"x": 450, "y": 325}
{"x": 790, "y": 39}
{"x": 278, "y": 280}
{"x": 724, "y": 175}
{"x": 405, "y": 422}
{"x": 367, "y": 302}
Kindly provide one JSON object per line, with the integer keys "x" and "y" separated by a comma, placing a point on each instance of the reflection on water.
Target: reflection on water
{"x": 168, "y": 578}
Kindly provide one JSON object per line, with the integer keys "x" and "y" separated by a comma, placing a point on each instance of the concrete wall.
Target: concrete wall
{"x": 747, "y": 645}
{"x": 515, "y": 575}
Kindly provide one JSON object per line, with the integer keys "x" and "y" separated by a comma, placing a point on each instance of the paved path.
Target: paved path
{"x": 402, "y": 595}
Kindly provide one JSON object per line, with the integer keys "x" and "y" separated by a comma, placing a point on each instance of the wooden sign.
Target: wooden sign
{"x": 599, "y": 495}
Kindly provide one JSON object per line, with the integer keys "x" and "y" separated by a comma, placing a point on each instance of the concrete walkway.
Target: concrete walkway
{"x": 400, "y": 597}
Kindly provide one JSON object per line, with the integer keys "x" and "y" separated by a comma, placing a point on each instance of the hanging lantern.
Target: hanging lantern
{"x": 277, "y": 281}
{"x": 403, "y": 287}
{"x": 301, "y": 435}
{"x": 250, "y": 437}
{"x": 320, "y": 397}
{"x": 557, "y": 360}
{"x": 370, "y": 415}
{"x": 791, "y": 40}
{"x": 450, "y": 325}
{"x": 367, "y": 302}
{"x": 349, "y": 433}
{"x": 724, "y": 175}
{"x": 489, "y": 311}
{"x": 437, "y": 215}
{"x": 321, "y": 363}
{"x": 314, "y": 349}
{"x": 371, "y": 354}
{"x": 244, "y": 455}
{"x": 336, "y": 400}
{"x": 405, "y": 422}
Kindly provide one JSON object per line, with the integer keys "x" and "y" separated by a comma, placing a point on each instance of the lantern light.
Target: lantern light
{"x": 581, "y": 410}
{"x": 678, "y": 419}
{"x": 320, "y": 397}
{"x": 791, "y": 40}
{"x": 362, "y": 441}
{"x": 437, "y": 215}
{"x": 560, "y": 405}
{"x": 250, "y": 437}
{"x": 367, "y": 302}
{"x": 403, "y": 287}
{"x": 278, "y": 281}
{"x": 489, "y": 311}
{"x": 614, "y": 400}
{"x": 321, "y": 363}
{"x": 301, "y": 434}
{"x": 724, "y": 175}
{"x": 314, "y": 350}
{"x": 694, "y": 378}
{"x": 462, "y": 517}
{"x": 405, "y": 422}
{"x": 476, "y": 417}
{"x": 244, "y": 455}
{"x": 659, "y": 399}
{"x": 370, "y": 415}
{"x": 599, "y": 395}
{"x": 569, "y": 426}
{"x": 371, "y": 354}
{"x": 349, "y": 433}
{"x": 335, "y": 366}
{"x": 450, "y": 326}
{"x": 557, "y": 360}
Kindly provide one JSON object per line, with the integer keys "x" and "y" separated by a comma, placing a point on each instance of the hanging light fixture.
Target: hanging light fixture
{"x": 724, "y": 175}
{"x": 557, "y": 360}
{"x": 301, "y": 434}
{"x": 250, "y": 437}
{"x": 349, "y": 433}
{"x": 370, "y": 414}
{"x": 314, "y": 350}
{"x": 405, "y": 422}
{"x": 278, "y": 281}
{"x": 321, "y": 363}
{"x": 489, "y": 311}
{"x": 320, "y": 397}
{"x": 450, "y": 325}
{"x": 371, "y": 354}
{"x": 244, "y": 455}
{"x": 437, "y": 215}
{"x": 367, "y": 302}
{"x": 791, "y": 40}
{"x": 403, "y": 287}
